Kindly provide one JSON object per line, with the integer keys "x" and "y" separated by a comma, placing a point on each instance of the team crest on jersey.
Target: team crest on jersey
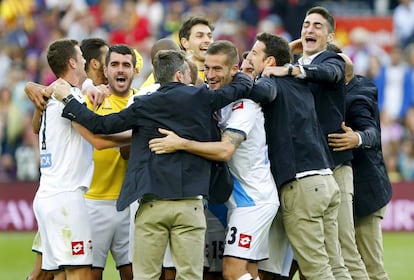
{"x": 78, "y": 248}
{"x": 45, "y": 160}
{"x": 245, "y": 240}
{"x": 238, "y": 105}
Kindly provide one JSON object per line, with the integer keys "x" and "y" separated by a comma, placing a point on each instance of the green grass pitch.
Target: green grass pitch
{"x": 17, "y": 259}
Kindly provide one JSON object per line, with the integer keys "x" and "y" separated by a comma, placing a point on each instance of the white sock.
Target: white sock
{"x": 246, "y": 276}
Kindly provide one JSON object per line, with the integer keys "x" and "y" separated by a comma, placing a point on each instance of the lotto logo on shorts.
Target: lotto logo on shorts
{"x": 78, "y": 248}
{"x": 238, "y": 105}
{"x": 245, "y": 240}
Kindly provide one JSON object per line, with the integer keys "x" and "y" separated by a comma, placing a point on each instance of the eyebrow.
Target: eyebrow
{"x": 202, "y": 33}
{"x": 314, "y": 23}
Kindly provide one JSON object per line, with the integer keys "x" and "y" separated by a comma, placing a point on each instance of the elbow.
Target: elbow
{"x": 226, "y": 155}
{"x": 99, "y": 146}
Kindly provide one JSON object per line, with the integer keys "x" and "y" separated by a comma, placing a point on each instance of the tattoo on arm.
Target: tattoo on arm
{"x": 235, "y": 137}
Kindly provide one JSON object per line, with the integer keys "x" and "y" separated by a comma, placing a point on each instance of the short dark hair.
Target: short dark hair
{"x": 59, "y": 53}
{"x": 91, "y": 49}
{"x": 166, "y": 63}
{"x": 185, "y": 29}
{"x": 227, "y": 48}
{"x": 275, "y": 46}
{"x": 121, "y": 49}
{"x": 325, "y": 14}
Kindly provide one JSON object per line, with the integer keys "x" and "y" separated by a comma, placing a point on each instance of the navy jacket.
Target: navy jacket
{"x": 372, "y": 186}
{"x": 294, "y": 136}
{"x": 187, "y": 111}
{"x": 326, "y": 77}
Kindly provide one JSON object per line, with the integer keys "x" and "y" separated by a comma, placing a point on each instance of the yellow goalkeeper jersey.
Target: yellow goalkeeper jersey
{"x": 110, "y": 167}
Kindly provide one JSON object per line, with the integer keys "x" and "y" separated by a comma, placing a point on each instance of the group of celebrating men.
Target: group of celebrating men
{"x": 303, "y": 179}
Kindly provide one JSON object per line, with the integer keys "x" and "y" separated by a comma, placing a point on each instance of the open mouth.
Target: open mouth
{"x": 310, "y": 40}
{"x": 213, "y": 84}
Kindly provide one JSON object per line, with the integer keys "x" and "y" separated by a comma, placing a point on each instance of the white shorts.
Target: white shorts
{"x": 65, "y": 230}
{"x": 280, "y": 253}
{"x": 167, "y": 261}
{"x": 216, "y": 216}
{"x": 110, "y": 229}
{"x": 248, "y": 232}
{"x": 37, "y": 243}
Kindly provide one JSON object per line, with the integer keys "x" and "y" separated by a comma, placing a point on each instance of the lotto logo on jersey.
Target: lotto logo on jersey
{"x": 45, "y": 160}
{"x": 245, "y": 240}
{"x": 78, "y": 248}
{"x": 238, "y": 105}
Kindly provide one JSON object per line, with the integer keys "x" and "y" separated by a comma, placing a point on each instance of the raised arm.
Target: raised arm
{"x": 37, "y": 94}
{"x": 37, "y": 115}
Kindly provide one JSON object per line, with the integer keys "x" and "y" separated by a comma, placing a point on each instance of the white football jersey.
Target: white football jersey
{"x": 65, "y": 156}
{"x": 249, "y": 165}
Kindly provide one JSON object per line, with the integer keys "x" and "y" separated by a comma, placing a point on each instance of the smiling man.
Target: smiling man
{"x": 195, "y": 35}
{"x": 243, "y": 146}
{"x": 325, "y": 71}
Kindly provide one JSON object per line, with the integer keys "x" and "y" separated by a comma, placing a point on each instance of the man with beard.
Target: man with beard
{"x": 169, "y": 188}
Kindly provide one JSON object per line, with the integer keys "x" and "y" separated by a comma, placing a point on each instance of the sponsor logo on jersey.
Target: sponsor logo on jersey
{"x": 78, "y": 248}
{"x": 45, "y": 160}
{"x": 245, "y": 240}
{"x": 238, "y": 105}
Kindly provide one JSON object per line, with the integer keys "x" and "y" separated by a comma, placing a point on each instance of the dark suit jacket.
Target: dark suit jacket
{"x": 326, "y": 77}
{"x": 372, "y": 186}
{"x": 294, "y": 136}
{"x": 187, "y": 111}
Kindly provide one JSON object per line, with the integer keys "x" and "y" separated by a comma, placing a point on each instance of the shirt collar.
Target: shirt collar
{"x": 308, "y": 60}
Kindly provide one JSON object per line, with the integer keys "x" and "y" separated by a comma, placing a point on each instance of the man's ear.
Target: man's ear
{"x": 184, "y": 43}
{"x": 178, "y": 77}
{"x": 94, "y": 63}
{"x": 105, "y": 71}
{"x": 270, "y": 61}
{"x": 72, "y": 62}
{"x": 234, "y": 70}
{"x": 331, "y": 37}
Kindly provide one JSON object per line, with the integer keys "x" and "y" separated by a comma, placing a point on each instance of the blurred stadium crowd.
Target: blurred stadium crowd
{"x": 28, "y": 26}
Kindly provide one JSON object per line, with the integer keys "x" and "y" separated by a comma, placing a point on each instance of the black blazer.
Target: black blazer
{"x": 187, "y": 111}
{"x": 294, "y": 136}
{"x": 372, "y": 186}
{"x": 326, "y": 77}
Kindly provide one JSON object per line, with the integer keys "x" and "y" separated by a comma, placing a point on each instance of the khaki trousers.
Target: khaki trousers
{"x": 182, "y": 222}
{"x": 310, "y": 210}
{"x": 344, "y": 177}
{"x": 369, "y": 240}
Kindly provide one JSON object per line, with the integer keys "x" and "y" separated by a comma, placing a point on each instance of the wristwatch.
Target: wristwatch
{"x": 67, "y": 99}
{"x": 290, "y": 69}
